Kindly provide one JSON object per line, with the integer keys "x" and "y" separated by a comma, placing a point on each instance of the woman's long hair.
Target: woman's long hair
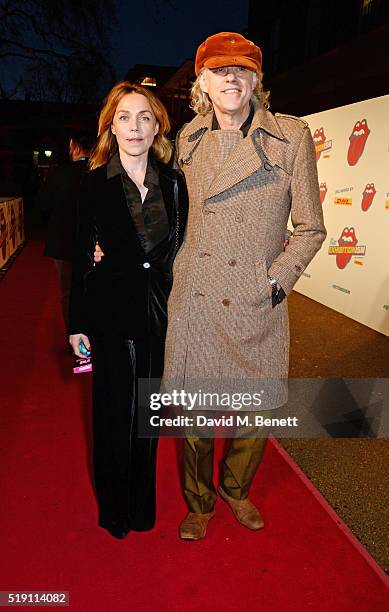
{"x": 106, "y": 145}
{"x": 201, "y": 104}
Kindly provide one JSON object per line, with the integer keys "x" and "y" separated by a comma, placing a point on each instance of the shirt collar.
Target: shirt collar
{"x": 114, "y": 167}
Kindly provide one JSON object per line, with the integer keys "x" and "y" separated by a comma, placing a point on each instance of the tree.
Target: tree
{"x": 56, "y": 49}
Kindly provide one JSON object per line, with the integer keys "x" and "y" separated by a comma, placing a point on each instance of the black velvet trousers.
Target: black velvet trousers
{"x": 124, "y": 465}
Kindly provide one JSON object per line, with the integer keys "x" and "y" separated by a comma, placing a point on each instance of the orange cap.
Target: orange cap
{"x": 228, "y": 49}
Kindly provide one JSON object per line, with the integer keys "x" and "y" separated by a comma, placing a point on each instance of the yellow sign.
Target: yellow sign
{"x": 343, "y": 201}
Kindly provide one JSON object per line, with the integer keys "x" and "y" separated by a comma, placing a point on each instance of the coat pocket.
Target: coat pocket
{"x": 263, "y": 285}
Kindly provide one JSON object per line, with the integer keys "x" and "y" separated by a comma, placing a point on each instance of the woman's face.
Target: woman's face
{"x": 134, "y": 125}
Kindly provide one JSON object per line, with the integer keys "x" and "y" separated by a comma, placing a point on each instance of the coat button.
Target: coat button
{"x": 239, "y": 218}
{"x": 203, "y": 254}
{"x": 232, "y": 262}
{"x": 196, "y": 293}
{"x": 226, "y": 302}
{"x": 146, "y": 264}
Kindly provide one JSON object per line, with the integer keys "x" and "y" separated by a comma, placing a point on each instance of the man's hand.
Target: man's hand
{"x": 75, "y": 340}
{"x": 98, "y": 254}
{"x": 288, "y": 234}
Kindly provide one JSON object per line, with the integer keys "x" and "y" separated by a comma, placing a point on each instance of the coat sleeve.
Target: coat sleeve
{"x": 306, "y": 215}
{"x": 49, "y": 193}
{"x": 83, "y": 261}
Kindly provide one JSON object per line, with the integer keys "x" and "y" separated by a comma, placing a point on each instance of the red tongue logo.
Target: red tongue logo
{"x": 368, "y": 196}
{"x": 319, "y": 139}
{"x": 323, "y": 191}
{"x": 357, "y": 139}
{"x": 347, "y": 239}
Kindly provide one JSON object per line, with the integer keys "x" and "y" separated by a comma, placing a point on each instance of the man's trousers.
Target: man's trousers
{"x": 238, "y": 468}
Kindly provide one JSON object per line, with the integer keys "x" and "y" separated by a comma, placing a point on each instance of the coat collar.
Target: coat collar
{"x": 265, "y": 145}
{"x": 266, "y": 121}
{"x": 263, "y": 119}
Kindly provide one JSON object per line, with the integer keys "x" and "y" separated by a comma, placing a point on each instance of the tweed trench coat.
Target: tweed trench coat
{"x": 221, "y": 324}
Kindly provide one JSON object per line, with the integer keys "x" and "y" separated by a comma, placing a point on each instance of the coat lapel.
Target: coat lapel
{"x": 243, "y": 162}
{"x": 166, "y": 183}
{"x": 265, "y": 144}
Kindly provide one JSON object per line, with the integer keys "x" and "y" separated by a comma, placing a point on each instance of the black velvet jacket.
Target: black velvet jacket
{"x": 126, "y": 293}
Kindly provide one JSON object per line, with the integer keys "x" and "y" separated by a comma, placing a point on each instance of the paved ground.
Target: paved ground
{"x": 352, "y": 474}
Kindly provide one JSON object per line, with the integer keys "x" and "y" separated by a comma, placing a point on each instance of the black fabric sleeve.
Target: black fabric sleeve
{"x": 83, "y": 261}
{"x": 47, "y": 195}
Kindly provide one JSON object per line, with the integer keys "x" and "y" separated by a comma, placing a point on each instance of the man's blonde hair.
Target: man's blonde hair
{"x": 201, "y": 103}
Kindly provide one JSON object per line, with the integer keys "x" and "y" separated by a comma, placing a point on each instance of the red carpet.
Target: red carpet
{"x": 302, "y": 560}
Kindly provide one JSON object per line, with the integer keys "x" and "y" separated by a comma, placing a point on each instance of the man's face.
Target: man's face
{"x": 229, "y": 88}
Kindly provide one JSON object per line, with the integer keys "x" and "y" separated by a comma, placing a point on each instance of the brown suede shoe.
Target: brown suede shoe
{"x": 194, "y": 526}
{"x": 244, "y": 510}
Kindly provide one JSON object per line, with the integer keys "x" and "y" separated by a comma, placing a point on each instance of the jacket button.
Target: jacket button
{"x": 238, "y": 218}
{"x": 146, "y": 264}
{"x": 203, "y": 254}
{"x": 232, "y": 262}
{"x": 196, "y": 293}
{"x": 226, "y": 302}
{"x": 206, "y": 211}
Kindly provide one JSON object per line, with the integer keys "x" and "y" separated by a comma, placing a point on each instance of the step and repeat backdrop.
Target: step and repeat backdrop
{"x": 11, "y": 227}
{"x": 351, "y": 271}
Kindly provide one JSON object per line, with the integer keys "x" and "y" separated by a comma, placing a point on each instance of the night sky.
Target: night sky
{"x": 157, "y": 32}
{"x": 165, "y": 33}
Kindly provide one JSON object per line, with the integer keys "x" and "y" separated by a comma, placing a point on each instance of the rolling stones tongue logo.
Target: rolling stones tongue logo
{"x": 358, "y": 139}
{"x": 319, "y": 139}
{"x": 368, "y": 196}
{"x": 323, "y": 191}
{"x": 347, "y": 239}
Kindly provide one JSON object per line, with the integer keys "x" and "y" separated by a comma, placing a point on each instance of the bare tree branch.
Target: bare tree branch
{"x": 63, "y": 44}
{"x": 33, "y": 51}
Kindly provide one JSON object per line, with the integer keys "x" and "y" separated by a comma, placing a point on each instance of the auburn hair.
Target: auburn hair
{"x": 106, "y": 145}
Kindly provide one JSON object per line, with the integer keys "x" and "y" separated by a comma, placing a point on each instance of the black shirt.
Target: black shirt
{"x": 150, "y": 218}
{"x": 244, "y": 128}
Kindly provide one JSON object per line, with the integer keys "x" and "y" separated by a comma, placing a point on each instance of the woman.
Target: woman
{"x": 135, "y": 207}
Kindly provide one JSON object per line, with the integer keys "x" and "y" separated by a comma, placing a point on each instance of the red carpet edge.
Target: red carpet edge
{"x": 331, "y": 512}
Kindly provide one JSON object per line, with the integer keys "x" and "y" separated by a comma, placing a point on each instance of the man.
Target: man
{"x": 58, "y": 199}
{"x": 246, "y": 170}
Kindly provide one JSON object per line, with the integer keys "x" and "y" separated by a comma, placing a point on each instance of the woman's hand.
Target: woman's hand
{"x": 75, "y": 340}
{"x": 98, "y": 254}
